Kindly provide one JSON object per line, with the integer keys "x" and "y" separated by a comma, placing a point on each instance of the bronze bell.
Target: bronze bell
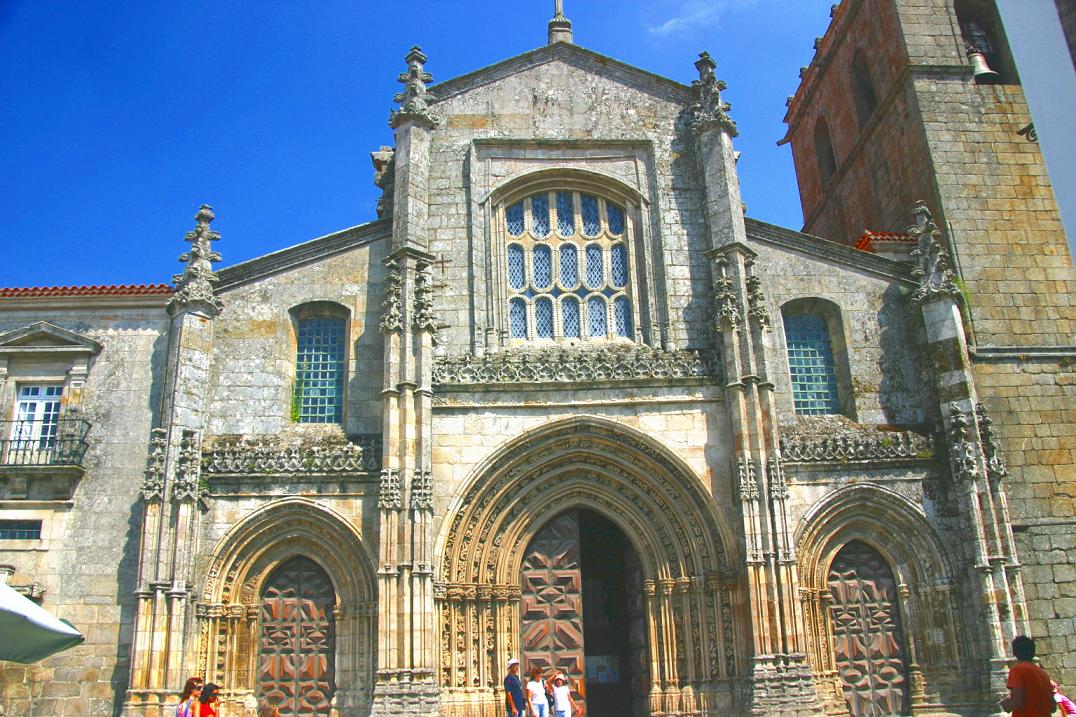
{"x": 981, "y": 70}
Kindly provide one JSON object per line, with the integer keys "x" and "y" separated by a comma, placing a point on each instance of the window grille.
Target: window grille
{"x": 568, "y": 269}
{"x": 20, "y": 530}
{"x": 810, "y": 361}
{"x": 319, "y": 371}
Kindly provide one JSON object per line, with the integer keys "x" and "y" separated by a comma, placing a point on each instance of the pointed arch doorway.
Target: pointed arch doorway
{"x": 582, "y": 612}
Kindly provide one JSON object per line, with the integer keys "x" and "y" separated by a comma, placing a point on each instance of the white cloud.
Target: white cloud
{"x": 692, "y": 15}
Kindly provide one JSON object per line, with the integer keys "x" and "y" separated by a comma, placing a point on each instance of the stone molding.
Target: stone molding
{"x": 848, "y": 442}
{"x": 572, "y": 364}
{"x": 265, "y": 456}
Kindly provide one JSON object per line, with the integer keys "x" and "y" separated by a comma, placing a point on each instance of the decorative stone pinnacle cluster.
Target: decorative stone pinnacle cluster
{"x": 936, "y": 279}
{"x": 415, "y": 100}
{"x": 710, "y": 112}
{"x": 194, "y": 287}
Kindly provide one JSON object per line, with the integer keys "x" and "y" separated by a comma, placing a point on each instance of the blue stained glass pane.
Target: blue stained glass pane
{"x": 565, "y": 214}
{"x": 810, "y": 361}
{"x": 319, "y": 370}
{"x": 515, "y": 267}
{"x": 569, "y": 265}
{"x": 540, "y": 215}
{"x": 543, "y": 318}
{"x": 592, "y": 221}
{"x": 615, "y": 215}
{"x": 595, "y": 273}
{"x": 569, "y": 311}
{"x": 513, "y": 217}
{"x": 596, "y": 316}
{"x": 618, "y": 258}
{"x": 543, "y": 266}
{"x": 517, "y": 319}
{"x": 622, "y": 315}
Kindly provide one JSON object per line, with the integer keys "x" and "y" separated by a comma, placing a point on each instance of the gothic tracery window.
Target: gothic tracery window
{"x": 568, "y": 268}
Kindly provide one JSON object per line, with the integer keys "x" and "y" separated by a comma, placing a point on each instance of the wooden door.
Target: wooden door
{"x": 296, "y": 656}
{"x": 551, "y": 609}
{"x": 868, "y": 641}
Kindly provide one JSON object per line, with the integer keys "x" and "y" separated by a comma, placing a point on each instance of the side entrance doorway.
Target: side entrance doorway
{"x": 583, "y": 613}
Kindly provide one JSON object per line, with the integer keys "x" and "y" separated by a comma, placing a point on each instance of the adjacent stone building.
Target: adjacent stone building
{"x": 563, "y": 402}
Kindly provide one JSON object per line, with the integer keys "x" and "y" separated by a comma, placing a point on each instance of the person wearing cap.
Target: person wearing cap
{"x": 563, "y": 704}
{"x": 513, "y": 690}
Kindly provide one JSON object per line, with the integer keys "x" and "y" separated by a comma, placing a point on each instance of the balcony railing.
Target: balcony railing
{"x": 37, "y": 443}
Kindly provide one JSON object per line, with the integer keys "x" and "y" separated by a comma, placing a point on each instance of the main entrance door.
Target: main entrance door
{"x": 582, "y": 613}
{"x": 296, "y": 657}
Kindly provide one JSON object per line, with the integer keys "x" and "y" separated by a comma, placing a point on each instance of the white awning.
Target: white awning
{"x": 30, "y": 632}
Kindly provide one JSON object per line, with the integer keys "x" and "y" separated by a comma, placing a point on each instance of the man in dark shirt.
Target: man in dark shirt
{"x": 513, "y": 690}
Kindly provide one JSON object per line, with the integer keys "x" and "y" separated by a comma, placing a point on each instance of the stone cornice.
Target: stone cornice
{"x": 830, "y": 251}
{"x": 576, "y": 56}
{"x": 300, "y": 254}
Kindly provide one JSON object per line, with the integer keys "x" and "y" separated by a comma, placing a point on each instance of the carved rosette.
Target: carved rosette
{"x": 194, "y": 287}
{"x": 933, "y": 268}
{"x": 710, "y": 112}
{"x": 392, "y": 306}
{"x": 995, "y": 463}
{"x": 153, "y": 483}
{"x": 389, "y": 496}
{"x": 424, "y": 319}
{"x": 188, "y": 468}
{"x": 962, "y": 453}
{"x": 415, "y": 100}
{"x": 422, "y": 489}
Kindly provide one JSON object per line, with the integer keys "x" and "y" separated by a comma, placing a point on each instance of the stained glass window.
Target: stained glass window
{"x": 543, "y": 266}
{"x": 517, "y": 319}
{"x": 596, "y": 316}
{"x": 618, "y": 260}
{"x": 540, "y": 215}
{"x": 569, "y": 266}
{"x": 615, "y": 215}
{"x": 595, "y": 274}
{"x": 565, "y": 214}
{"x": 810, "y": 361}
{"x": 514, "y": 219}
{"x": 622, "y": 315}
{"x": 543, "y": 318}
{"x": 319, "y": 370}
{"x": 570, "y": 317}
{"x": 592, "y": 221}
{"x": 516, "y": 279}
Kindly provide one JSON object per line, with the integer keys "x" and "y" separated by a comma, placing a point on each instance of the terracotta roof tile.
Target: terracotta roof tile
{"x": 102, "y": 290}
{"x": 865, "y": 242}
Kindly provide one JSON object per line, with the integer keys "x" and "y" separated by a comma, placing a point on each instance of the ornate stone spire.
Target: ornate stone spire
{"x": 414, "y": 101}
{"x": 932, "y": 268}
{"x": 560, "y": 27}
{"x": 710, "y": 112}
{"x": 194, "y": 287}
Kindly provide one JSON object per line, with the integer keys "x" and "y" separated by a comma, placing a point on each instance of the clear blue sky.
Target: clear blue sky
{"x": 119, "y": 118}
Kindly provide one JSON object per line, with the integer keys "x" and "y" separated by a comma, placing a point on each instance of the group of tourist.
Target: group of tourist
{"x": 533, "y": 699}
{"x": 202, "y": 700}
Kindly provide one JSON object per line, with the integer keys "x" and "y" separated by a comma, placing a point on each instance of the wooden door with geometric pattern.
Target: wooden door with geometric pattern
{"x": 868, "y": 641}
{"x": 296, "y": 657}
{"x": 551, "y": 605}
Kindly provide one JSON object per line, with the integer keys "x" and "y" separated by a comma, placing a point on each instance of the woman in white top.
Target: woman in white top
{"x": 563, "y": 704}
{"x": 536, "y": 699}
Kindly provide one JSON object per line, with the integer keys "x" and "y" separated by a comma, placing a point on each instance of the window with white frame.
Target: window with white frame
{"x": 568, "y": 268}
{"x": 36, "y": 420}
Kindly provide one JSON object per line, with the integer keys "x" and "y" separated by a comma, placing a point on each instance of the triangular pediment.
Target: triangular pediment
{"x": 43, "y": 337}
{"x": 570, "y": 54}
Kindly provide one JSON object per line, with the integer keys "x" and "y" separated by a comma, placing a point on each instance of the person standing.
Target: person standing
{"x": 513, "y": 690}
{"x": 207, "y": 703}
{"x": 563, "y": 703}
{"x": 1066, "y": 705}
{"x": 536, "y": 699}
{"x": 191, "y": 692}
{"x": 1030, "y": 693}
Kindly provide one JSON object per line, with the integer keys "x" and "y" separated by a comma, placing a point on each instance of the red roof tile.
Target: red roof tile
{"x": 103, "y": 290}
{"x": 864, "y": 243}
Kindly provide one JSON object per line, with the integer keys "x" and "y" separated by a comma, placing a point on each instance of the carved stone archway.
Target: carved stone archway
{"x": 902, "y": 536}
{"x": 652, "y": 497}
{"x": 246, "y": 557}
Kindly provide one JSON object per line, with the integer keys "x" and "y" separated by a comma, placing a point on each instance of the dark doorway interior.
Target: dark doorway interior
{"x": 614, "y": 626}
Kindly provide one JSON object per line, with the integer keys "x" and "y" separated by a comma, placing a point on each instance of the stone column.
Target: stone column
{"x": 171, "y": 488}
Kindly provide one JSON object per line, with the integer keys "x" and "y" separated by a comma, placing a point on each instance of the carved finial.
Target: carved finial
{"x": 710, "y": 112}
{"x": 415, "y": 100}
{"x": 936, "y": 279}
{"x": 560, "y": 27}
{"x": 194, "y": 287}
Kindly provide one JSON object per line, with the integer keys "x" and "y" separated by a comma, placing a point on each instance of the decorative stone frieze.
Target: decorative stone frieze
{"x": 194, "y": 287}
{"x": 995, "y": 463}
{"x": 606, "y": 362}
{"x": 962, "y": 446}
{"x": 265, "y": 456}
{"x": 867, "y": 446}
{"x": 710, "y": 112}
{"x": 389, "y": 496}
{"x": 415, "y": 100}
{"x": 933, "y": 268}
{"x": 188, "y": 468}
{"x": 153, "y": 483}
{"x": 422, "y": 489}
{"x": 391, "y": 307}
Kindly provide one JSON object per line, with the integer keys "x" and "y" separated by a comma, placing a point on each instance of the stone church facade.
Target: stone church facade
{"x": 563, "y": 401}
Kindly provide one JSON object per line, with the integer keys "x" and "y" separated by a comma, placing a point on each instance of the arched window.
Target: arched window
{"x": 568, "y": 273}
{"x": 823, "y": 149}
{"x": 817, "y": 358}
{"x": 863, "y": 94}
{"x": 320, "y": 363}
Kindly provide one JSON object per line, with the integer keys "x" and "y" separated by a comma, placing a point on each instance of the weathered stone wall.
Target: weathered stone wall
{"x": 87, "y": 558}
